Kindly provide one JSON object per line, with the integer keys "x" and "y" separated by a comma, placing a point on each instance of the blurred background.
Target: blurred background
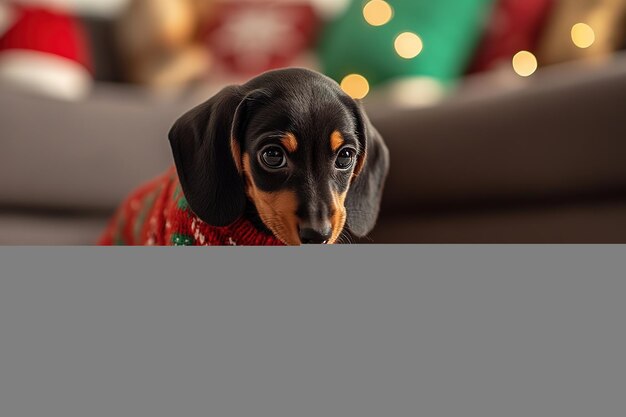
{"x": 506, "y": 119}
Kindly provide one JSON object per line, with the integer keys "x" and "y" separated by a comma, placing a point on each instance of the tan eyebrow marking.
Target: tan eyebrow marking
{"x": 290, "y": 142}
{"x": 336, "y": 140}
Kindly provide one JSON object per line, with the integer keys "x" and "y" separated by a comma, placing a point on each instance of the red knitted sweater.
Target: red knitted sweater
{"x": 158, "y": 214}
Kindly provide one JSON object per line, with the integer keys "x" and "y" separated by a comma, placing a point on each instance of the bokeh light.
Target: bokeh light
{"x": 525, "y": 63}
{"x": 355, "y": 85}
{"x": 408, "y": 45}
{"x": 377, "y": 12}
{"x": 583, "y": 35}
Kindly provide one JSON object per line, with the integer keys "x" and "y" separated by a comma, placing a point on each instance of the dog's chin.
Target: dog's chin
{"x": 278, "y": 225}
{"x": 288, "y": 235}
{"x": 288, "y": 242}
{"x": 339, "y": 222}
{"x": 282, "y": 231}
{"x": 272, "y": 225}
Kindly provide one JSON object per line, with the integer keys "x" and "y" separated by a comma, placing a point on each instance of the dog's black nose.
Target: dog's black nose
{"x": 309, "y": 235}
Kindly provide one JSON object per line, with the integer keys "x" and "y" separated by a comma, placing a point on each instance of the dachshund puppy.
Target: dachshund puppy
{"x": 286, "y": 158}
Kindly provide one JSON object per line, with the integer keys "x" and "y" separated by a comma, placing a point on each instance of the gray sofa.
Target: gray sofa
{"x": 542, "y": 161}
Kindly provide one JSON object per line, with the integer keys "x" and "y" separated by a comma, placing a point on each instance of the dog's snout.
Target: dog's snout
{"x": 314, "y": 223}
{"x": 310, "y": 235}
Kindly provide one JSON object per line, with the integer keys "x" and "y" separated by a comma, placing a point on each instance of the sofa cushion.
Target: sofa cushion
{"x": 562, "y": 135}
{"x": 82, "y": 155}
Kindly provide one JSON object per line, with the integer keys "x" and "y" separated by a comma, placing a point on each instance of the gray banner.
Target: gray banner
{"x": 436, "y": 331}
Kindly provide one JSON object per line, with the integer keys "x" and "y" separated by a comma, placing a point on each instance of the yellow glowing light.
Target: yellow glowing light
{"x": 355, "y": 85}
{"x": 525, "y": 63}
{"x": 408, "y": 45}
{"x": 583, "y": 35}
{"x": 377, "y": 12}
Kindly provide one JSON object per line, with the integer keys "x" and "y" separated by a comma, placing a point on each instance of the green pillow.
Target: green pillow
{"x": 449, "y": 30}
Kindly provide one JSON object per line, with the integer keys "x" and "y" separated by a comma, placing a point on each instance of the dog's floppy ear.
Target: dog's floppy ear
{"x": 206, "y": 146}
{"x": 365, "y": 193}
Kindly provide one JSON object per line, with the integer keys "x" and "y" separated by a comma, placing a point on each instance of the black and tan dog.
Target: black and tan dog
{"x": 289, "y": 152}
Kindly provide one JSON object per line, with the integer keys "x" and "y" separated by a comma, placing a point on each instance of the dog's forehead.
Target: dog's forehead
{"x": 305, "y": 117}
{"x": 298, "y": 90}
{"x": 306, "y": 104}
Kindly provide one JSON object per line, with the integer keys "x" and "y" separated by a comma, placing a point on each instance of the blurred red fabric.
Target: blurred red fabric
{"x": 250, "y": 37}
{"x": 515, "y": 25}
{"x": 38, "y": 29}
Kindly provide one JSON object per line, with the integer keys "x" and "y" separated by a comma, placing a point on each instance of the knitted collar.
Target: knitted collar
{"x": 242, "y": 232}
{"x": 247, "y": 230}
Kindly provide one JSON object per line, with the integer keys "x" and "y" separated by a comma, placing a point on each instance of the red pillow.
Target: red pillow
{"x": 249, "y": 37}
{"x": 515, "y": 25}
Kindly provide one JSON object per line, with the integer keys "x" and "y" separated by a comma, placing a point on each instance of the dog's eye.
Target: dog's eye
{"x": 273, "y": 157}
{"x": 345, "y": 158}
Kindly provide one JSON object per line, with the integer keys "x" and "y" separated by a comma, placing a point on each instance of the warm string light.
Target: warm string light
{"x": 525, "y": 63}
{"x": 377, "y": 12}
{"x": 408, "y": 45}
{"x": 583, "y": 35}
{"x": 355, "y": 85}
